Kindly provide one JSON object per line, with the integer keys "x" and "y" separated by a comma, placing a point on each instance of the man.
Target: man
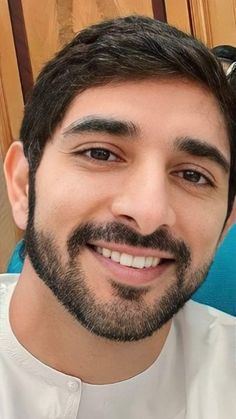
{"x": 123, "y": 183}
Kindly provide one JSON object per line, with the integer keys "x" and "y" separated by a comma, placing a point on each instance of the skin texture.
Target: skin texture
{"x": 150, "y": 183}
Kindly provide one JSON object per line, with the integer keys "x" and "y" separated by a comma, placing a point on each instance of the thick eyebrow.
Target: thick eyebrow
{"x": 105, "y": 125}
{"x": 201, "y": 148}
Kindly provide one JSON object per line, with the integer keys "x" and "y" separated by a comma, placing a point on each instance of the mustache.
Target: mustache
{"x": 114, "y": 232}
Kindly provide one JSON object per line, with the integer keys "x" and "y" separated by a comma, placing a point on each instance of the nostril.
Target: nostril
{"x": 128, "y": 218}
{"x": 124, "y": 218}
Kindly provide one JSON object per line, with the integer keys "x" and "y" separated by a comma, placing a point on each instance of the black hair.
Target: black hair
{"x": 225, "y": 52}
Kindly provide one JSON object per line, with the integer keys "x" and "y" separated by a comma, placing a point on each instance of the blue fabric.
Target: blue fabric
{"x": 16, "y": 261}
{"x": 219, "y": 288}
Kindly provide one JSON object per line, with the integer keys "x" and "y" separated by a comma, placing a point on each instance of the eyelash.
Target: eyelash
{"x": 207, "y": 181}
{"x": 100, "y": 149}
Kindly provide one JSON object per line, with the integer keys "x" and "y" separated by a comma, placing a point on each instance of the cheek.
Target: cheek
{"x": 202, "y": 229}
{"x": 71, "y": 201}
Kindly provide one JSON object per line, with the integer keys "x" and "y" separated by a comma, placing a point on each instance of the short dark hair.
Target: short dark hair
{"x": 232, "y": 78}
{"x": 225, "y": 52}
{"x": 129, "y": 48}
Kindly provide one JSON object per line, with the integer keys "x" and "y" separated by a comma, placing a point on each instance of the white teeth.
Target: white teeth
{"x": 155, "y": 262}
{"x": 138, "y": 262}
{"x": 148, "y": 261}
{"x": 129, "y": 260}
{"x": 126, "y": 260}
{"x": 115, "y": 256}
{"x": 106, "y": 252}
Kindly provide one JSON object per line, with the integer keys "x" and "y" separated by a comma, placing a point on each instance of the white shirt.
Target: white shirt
{"x": 194, "y": 377}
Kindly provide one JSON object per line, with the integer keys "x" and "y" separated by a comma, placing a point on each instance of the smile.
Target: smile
{"x": 125, "y": 259}
{"x": 131, "y": 269}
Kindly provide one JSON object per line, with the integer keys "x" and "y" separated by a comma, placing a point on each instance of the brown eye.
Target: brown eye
{"x": 100, "y": 154}
{"x": 193, "y": 177}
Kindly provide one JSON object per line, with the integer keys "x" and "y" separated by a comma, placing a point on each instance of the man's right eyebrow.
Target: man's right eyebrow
{"x": 105, "y": 125}
{"x": 200, "y": 148}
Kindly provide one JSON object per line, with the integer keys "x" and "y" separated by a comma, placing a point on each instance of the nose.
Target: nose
{"x": 143, "y": 201}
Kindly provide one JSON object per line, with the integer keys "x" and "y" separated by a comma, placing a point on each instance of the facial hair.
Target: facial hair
{"x": 127, "y": 317}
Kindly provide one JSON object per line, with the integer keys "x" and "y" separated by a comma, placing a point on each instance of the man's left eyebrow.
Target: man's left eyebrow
{"x": 106, "y": 125}
{"x": 201, "y": 148}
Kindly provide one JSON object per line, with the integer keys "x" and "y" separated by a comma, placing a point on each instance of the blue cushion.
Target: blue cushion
{"x": 219, "y": 288}
{"x": 16, "y": 261}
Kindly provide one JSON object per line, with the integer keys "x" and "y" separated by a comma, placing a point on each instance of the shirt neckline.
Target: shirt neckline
{"x": 19, "y": 354}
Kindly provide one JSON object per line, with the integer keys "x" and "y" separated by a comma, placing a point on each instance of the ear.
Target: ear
{"x": 230, "y": 221}
{"x": 16, "y": 171}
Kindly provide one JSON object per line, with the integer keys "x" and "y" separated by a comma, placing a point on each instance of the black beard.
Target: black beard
{"x": 127, "y": 317}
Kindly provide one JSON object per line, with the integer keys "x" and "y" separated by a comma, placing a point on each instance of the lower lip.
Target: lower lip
{"x": 132, "y": 276}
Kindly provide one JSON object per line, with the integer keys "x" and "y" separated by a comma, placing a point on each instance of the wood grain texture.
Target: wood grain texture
{"x": 87, "y": 12}
{"x": 21, "y": 47}
{"x": 214, "y": 21}
{"x": 11, "y": 109}
{"x": 222, "y": 21}
{"x": 11, "y": 87}
{"x": 8, "y": 232}
{"x": 42, "y": 29}
{"x": 5, "y": 128}
{"x": 52, "y": 23}
{"x": 65, "y": 18}
{"x": 178, "y": 16}
{"x": 201, "y": 21}
{"x": 7, "y": 228}
{"x": 159, "y": 10}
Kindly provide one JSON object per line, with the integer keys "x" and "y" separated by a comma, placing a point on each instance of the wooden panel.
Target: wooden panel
{"x": 87, "y": 12}
{"x": 159, "y": 10}
{"x": 214, "y": 21}
{"x": 11, "y": 88}
{"x": 21, "y": 47}
{"x": 8, "y": 233}
{"x": 11, "y": 109}
{"x": 178, "y": 14}
{"x": 52, "y": 23}
{"x": 201, "y": 21}
{"x": 41, "y": 23}
{"x": 223, "y": 21}
{"x": 5, "y": 128}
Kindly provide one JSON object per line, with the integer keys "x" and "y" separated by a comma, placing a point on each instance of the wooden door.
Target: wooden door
{"x": 11, "y": 107}
{"x": 51, "y": 23}
{"x": 212, "y": 21}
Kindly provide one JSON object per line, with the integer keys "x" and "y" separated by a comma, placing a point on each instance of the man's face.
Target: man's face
{"x": 131, "y": 199}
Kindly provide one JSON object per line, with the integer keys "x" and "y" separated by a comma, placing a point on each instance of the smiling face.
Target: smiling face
{"x": 131, "y": 198}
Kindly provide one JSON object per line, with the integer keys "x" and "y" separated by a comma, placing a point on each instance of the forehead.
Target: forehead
{"x": 161, "y": 109}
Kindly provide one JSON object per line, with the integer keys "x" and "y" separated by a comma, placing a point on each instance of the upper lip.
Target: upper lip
{"x": 134, "y": 251}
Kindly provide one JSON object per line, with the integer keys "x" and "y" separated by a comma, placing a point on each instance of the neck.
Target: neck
{"x": 52, "y": 335}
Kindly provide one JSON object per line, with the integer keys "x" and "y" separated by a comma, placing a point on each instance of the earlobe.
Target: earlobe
{"x": 16, "y": 171}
